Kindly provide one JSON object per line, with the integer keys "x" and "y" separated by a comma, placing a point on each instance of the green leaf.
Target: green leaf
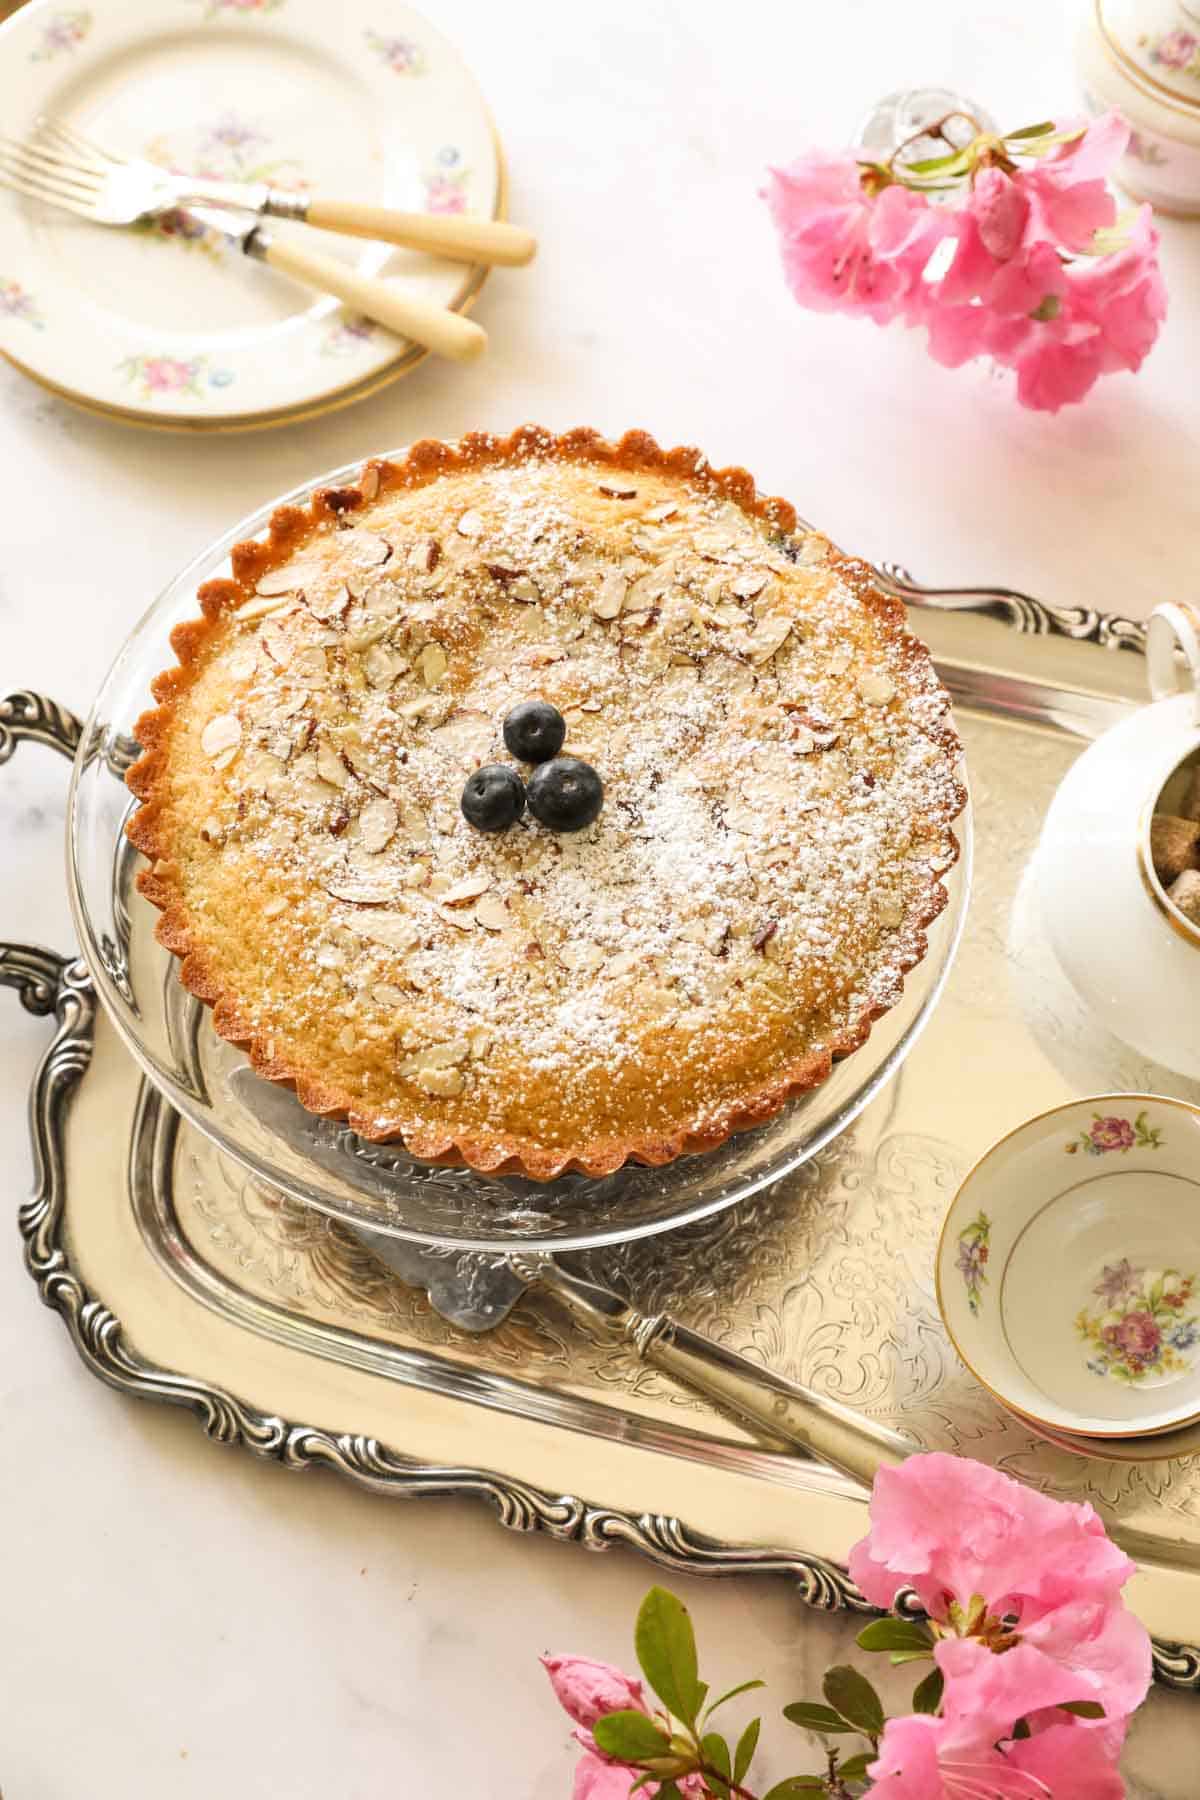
{"x": 742, "y": 1688}
{"x": 666, "y": 1650}
{"x": 933, "y": 165}
{"x": 811, "y": 1717}
{"x": 668, "y": 1791}
{"x": 641, "y": 1781}
{"x": 927, "y": 1695}
{"x": 1029, "y": 131}
{"x": 747, "y": 1744}
{"x": 630, "y": 1737}
{"x": 895, "y": 1634}
{"x": 855, "y": 1767}
{"x": 906, "y": 1656}
{"x": 852, "y": 1695}
{"x": 796, "y": 1784}
{"x": 1083, "y": 1709}
{"x": 715, "y": 1752}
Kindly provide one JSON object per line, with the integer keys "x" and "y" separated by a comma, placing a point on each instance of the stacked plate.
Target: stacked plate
{"x": 167, "y": 324}
{"x": 1068, "y": 1276}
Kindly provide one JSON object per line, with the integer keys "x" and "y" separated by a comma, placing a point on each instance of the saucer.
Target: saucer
{"x": 1162, "y": 1446}
{"x": 169, "y": 324}
{"x": 1068, "y": 1271}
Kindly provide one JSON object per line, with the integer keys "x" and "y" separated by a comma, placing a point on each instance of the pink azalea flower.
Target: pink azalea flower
{"x": 586, "y": 1690}
{"x": 844, "y": 251}
{"x": 1001, "y": 1568}
{"x": 1070, "y": 199}
{"x": 922, "y": 1758}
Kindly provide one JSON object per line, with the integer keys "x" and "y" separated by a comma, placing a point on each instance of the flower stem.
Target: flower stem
{"x": 936, "y": 130}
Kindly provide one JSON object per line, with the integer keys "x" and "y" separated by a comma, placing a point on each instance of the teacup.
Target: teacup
{"x": 1068, "y": 1272}
{"x": 1121, "y": 939}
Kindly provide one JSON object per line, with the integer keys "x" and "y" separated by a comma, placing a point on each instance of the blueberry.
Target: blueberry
{"x": 534, "y": 731}
{"x": 565, "y": 794}
{"x": 494, "y": 798}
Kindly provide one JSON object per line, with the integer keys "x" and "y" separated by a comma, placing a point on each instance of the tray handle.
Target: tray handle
{"x": 1082, "y": 623}
{"x": 26, "y": 715}
{"x": 37, "y": 974}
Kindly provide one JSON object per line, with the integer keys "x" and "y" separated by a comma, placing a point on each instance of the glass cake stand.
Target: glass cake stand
{"x": 320, "y": 1162}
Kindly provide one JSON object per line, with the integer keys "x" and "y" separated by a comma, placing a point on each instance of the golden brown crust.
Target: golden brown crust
{"x": 493, "y": 1151}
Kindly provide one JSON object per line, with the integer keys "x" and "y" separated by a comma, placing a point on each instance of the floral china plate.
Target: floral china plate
{"x": 1068, "y": 1272}
{"x": 169, "y": 324}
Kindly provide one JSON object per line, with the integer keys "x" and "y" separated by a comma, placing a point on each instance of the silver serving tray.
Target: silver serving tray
{"x": 182, "y": 1279}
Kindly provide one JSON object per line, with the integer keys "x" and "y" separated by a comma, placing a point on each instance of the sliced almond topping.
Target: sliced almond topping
{"x": 445, "y": 1084}
{"x": 876, "y": 689}
{"x": 357, "y": 889}
{"x": 891, "y": 914}
{"x": 433, "y": 665}
{"x": 839, "y": 661}
{"x": 481, "y": 1043}
{"x": 729, "y": 614}
{"x": 471, "y": 525}
{"x": 751, "y": 583}
{"x": 278, "y": 643}
{"x": 615, "y": 491}
{"x": 470, "y": 889}
{"x": 377, "y": 824}
{"x": 330, "y": 766}
{"x": 526, "y": 590}
{"x": 384, "y": 993}
{"x": 243, "y": 663}
{"x": 502, "y": 570}
{"x": 413, "y": 822}
{"x": 421, "y": 707}
{"x": 368, "y": 485}
{"x": 436, "y": 1056}
{"x": 655, "y": 515}
{"x": 378, "y": 667}
{"x": 455, "y": 916}
{"x": 364, "y": 549}
{"x": 766, "y": 638}
{"x": 274, "y": 907}
{"x": 425, "y": 554}
{"x": 609, "y": 597}
{"x": 309, "y": 665}
{"x": 416, "y": 875}
{"x": 291, "y": 577}
{"x": 584, "y": 957}
{"x": 492, "y": 913}
{"x": 264, "y": 608}
{"x": 347, "y": 1038}
{"x": 224, "y": 732}
{"x": 764, "y": 934}
{"x": 329, "y": 601}
{"x": 713, "y": 544}
{"x": 391, "y": 930}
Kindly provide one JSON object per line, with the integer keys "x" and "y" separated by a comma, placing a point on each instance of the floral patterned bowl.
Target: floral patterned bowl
{"x": 1068, "y": 1272}
{"x": 1143, "y": 56}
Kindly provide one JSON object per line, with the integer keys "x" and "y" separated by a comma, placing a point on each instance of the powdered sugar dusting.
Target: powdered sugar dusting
{"x": 777, "y": 789}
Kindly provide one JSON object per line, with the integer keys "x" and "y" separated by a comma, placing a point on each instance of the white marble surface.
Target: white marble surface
{"x": 181, "y": 1620}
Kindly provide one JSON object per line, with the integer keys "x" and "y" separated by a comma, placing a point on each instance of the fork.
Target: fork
{"x": 109, "y": 203}
{"x": 58, "y": 153}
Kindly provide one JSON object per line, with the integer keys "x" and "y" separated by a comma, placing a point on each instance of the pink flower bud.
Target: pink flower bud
{"x": 587, "y": 1690}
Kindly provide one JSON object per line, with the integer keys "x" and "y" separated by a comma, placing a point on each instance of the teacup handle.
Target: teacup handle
{"x": 1173, "y": 626}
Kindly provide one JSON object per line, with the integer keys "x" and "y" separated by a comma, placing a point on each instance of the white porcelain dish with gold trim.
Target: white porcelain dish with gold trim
{"x": 1068, "y": 1270}
{"x": 168, "y": 324}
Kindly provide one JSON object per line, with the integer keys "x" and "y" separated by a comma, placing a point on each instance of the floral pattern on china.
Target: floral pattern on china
{"x": 1105, "y": 1135}
{"x": 401, "y": 55}
{"x": 971, "y": 1261}
{"x": 1178, "y": 50}
{"x": 15, "y": 303}
{"x": 159, "y": 376}
{"x": 445, "y": 184}
{"x": 1144, "y": 1327}
{"x": 61, "y": 34}
{"x": 229, "y": 147}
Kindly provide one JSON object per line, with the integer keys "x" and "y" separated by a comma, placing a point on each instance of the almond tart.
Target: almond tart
{"x": 780, "y": 777}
